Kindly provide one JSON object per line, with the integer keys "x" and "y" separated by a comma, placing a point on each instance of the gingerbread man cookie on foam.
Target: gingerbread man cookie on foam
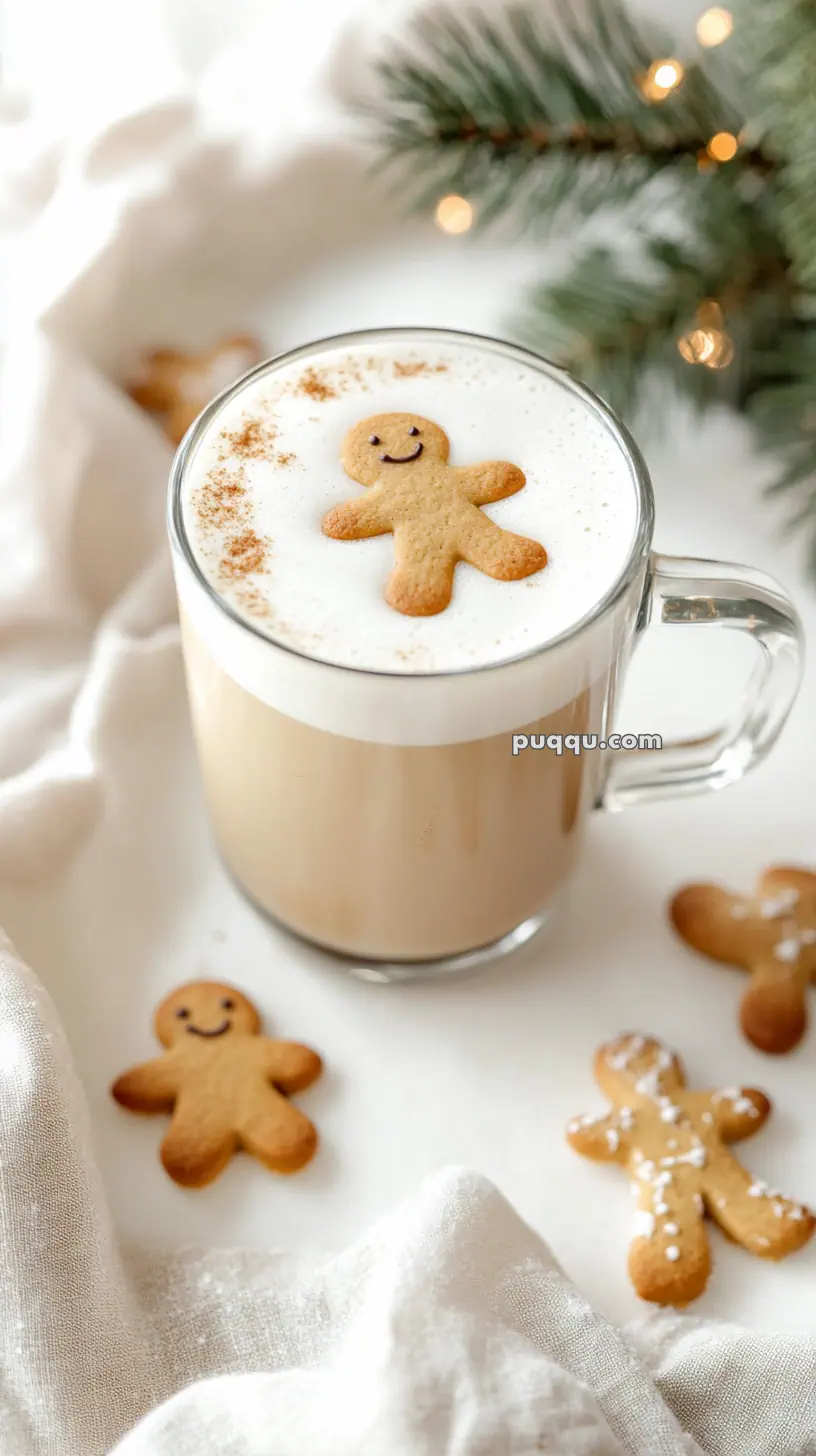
{"x": 772, "y": 936}
{"x": 432, "y": 509}
{"x": 672, "y": 1142}
{"x": 226, "y": 1086}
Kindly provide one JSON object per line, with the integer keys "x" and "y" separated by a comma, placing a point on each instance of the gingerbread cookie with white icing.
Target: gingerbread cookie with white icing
{"x": 772, "y": 936}
{"x": 432, "y": 510}
{"x": 672, "y": 1142}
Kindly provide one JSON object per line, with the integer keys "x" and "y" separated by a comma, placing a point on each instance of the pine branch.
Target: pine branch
{"x": 776, "y": 44}
{"x": 782, "y": 408}
{"x": 523, "y": 118}
{"x": 618, "y": 318}
{"x": 516, "y": 113}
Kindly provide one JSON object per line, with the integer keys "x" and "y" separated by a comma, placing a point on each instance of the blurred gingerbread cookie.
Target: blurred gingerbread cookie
{"x": 175, "y": 386}
{"x": 771, "y": 935}
{"x": 673, "y": 1143}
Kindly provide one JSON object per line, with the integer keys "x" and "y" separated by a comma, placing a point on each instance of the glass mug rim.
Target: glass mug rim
{"x": 641, "y": 540}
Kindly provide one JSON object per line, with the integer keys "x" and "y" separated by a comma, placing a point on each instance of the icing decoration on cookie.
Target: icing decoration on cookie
{"x": 175, "y": 387}
{"x": 669, "y": 1258}
{"x": 432, "y": 509}
{"x": 226, "y": 1086}
{"x": 772, "y": 935}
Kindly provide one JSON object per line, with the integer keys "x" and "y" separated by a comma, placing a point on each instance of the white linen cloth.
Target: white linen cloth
{"x": 449, "y": 1327}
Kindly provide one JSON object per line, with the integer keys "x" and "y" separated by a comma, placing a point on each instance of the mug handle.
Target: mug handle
{"x": 716, "y": 594}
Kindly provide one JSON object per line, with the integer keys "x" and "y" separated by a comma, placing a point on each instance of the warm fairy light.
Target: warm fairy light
{"x": 666, "y": 74}
{"x": 723, "y": 353}
{"x": 454, "y": 214}
{"x": 698, "y": 346}
{"x": 714, "y": 26}
{"x": 711, "y": 347}
{"x": 723, "y": 146}
{"x": 661, "y": 78}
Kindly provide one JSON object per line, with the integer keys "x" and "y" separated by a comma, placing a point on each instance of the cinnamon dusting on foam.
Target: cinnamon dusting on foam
{"x": 324, "y": 384}
{"x": 244, "y": 555}
{"x": 314, "y": 385}
{"x": 252, "y": 441}
{"x": 253, "y": 602}
{"x": 221, "y": 500}
{"x": 411, "y": 369}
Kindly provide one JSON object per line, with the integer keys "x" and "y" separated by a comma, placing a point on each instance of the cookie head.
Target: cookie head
{"x": 634, "y": 1067}
{"x": 375, "y": 446}
{"x": 205, "y": 1011}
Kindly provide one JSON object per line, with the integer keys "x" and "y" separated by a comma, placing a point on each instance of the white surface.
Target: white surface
{"x": 326, "y": 598}
{"x": 120, "y": 896}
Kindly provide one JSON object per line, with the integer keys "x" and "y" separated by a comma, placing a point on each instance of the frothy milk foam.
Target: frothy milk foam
{"x": 381, "y": 812}
{"x": 324, "y": 598}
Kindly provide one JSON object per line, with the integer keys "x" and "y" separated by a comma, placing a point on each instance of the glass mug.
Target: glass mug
{"x": 407, "y": 837}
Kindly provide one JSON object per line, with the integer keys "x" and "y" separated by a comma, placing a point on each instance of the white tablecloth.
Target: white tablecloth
{"x": 159, "y": 220}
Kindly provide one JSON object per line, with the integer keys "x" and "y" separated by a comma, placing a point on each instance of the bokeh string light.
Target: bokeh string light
{"x": 454, "y": 214}
{"x": 723, "y": 146}
{"x": 714, "y": 26}
{"x": 662, "y": 77}
{"x": 707, "y": 343}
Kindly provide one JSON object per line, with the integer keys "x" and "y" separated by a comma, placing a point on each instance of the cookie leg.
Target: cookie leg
{"x": 196, "y": 1150}
{"x": 499, "y": 553}
{"x": 279, "y": 1136}
{"x": 421, "y": 583}
{"x": 669, "y": 1257}
{"x": 753, "y": 1215}
{"x": 773, "y": 1014}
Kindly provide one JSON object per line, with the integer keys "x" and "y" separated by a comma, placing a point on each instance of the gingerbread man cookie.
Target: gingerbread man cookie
{"x": 772, "y": 935}
{"x": 175, "y": 387}
{"x": 432, "y": 509}
{"x": 672, "y": 1142}
{"x": 225, "y": 1085}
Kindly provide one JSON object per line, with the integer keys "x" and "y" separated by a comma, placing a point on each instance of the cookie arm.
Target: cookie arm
{"x": 735, "y": 1112}
{"x": 787, "y": 877}
{"x": 715, "y": 923}
{"x": 290, "y": 1066}
{"x": 493, "y": 480}
{"x": 151, "y": 1087}
{"x": 357, "y": 520}
{"x": 600, "y": 1138}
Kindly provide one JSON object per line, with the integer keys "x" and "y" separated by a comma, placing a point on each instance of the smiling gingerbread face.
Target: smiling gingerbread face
{"x": 382, "y": 442}
{"x": 205, "y": 1011}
